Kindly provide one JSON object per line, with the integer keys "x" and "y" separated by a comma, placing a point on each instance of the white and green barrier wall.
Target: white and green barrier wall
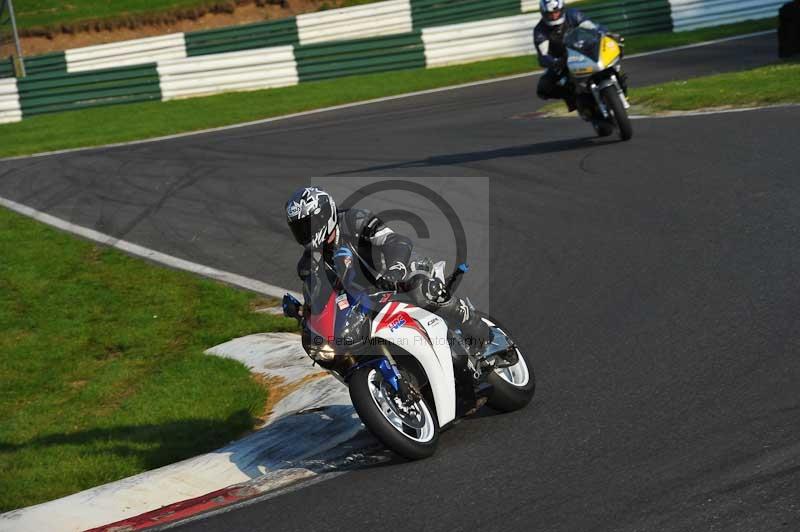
{"x": 377, "y": 37}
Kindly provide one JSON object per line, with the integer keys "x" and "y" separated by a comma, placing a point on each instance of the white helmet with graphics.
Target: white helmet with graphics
{"x": 552, "y": 12}
{"x": 311, "y": 215}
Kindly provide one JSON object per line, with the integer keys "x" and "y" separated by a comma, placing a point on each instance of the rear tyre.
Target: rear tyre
{"x": 514, "y": 387}
{"x": 614, "y": 103}
{"x": 411, "y": 432}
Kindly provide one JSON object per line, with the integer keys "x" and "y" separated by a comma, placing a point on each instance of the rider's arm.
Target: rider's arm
{"x": 542, "y": 43}
{"x": 396, "y": 248}
{"x": 304, "y": 265}
{"x": 578, "y": 20}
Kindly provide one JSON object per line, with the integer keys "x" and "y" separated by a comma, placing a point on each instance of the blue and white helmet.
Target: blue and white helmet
{"x": 311, "y": 215}
{"x": 552, "y": 12}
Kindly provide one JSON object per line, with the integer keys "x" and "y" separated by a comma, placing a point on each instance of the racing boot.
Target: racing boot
{"x": 572, "y": 102}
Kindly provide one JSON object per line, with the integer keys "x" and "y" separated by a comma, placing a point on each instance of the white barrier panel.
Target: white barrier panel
{"x": 693, "y": 14}
{"x": 381, "y": 18}
{"x": 233, "y": 71}
{"x": 9, "y": 101}
{"x": 126, "y": 53}
{"x": 476, "y": 41}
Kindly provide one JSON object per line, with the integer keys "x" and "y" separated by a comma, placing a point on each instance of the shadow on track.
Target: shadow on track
{"x": 456, "y": 159}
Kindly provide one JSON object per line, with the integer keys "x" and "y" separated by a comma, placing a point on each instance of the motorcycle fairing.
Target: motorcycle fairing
{"x": 423, "y": 335}
{"x": 324, "y": 322}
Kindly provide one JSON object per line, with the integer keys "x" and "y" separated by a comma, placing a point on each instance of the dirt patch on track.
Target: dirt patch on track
{"x": 278, "y": 390}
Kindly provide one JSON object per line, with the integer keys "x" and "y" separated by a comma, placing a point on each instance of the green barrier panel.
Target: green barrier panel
{"x": 244, "y": 37}
{"x": 632, "y": 17}
{"x": 361, "y": 56}
{"x": 428, "y": 13}
{"x": 52, "y": 62}
{"x": 7, "y": 68}
{"x": 53, "y": 92}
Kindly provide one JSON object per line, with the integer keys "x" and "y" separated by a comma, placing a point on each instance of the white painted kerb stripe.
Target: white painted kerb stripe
{"x": 9, "y": 101}
{"x": 149, "y": 254}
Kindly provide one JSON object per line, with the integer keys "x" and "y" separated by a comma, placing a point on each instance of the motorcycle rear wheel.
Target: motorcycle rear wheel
{"x": 513, "y": 387}
{"x": 413, "y": 435}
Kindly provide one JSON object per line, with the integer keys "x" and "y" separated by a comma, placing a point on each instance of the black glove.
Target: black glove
{"x": 393, "y": 277}
{"x": 384, "y": 282}
{"x": 292, "y": 308}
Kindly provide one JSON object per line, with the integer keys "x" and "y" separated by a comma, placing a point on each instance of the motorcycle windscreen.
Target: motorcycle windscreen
{"x": 585, "y": 41}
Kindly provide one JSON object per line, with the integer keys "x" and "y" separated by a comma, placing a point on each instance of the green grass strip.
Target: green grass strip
{"x": 152, "y": 119}
{"x": 770, "y": 85}
{"x": 102, "y": 366}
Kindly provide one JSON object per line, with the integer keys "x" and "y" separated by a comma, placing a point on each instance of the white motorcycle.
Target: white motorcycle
{"x": 409, "y": 374}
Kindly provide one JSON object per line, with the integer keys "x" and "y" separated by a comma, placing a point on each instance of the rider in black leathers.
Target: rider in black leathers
{"x": 548, "y": 37}
{"x": 359, "y": 251}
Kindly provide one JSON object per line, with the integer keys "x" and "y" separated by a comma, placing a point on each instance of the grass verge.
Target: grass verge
{"x": 92, "y": 127}
{"x": 769, "y": 85}
{"x": 102, "y": 366}
{"x": 774, "y": 84}
{"x": 59, "y": 15}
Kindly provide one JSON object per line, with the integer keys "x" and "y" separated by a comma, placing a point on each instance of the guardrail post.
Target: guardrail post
{"x": 20, "y": 63}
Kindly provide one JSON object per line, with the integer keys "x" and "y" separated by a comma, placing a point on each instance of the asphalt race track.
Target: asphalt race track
{"x": 655, "y": 282}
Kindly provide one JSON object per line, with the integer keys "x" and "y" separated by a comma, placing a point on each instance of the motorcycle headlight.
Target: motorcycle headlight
{"x": 322, "y": 353}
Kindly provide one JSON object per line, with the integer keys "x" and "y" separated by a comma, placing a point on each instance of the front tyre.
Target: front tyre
{"x": 411, "y": 432}
{"x": 611, "y": 98}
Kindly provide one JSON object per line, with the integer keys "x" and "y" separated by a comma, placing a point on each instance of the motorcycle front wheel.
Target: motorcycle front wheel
{"x": 614, "y": 103}
{"x": 412, "y": 431}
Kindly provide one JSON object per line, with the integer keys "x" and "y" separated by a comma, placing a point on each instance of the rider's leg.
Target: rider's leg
{"x": 457, "y": 313}
{"x": 549, "y": 89}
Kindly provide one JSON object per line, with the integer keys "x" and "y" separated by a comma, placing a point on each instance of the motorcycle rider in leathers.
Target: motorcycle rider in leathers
{"x": 359, "y": 252}
{"x": 548, "y": 37}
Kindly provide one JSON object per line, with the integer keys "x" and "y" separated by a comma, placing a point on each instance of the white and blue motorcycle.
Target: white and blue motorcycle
{"x": 409, "y": 374}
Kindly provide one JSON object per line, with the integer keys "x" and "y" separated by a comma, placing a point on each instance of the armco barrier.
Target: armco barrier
{"x": 370, "y": 20}
{"x": 126, "y": 53}
{"x": 474, "y": 41}
{"x": 40, "y": 64}
{"x": 363, "y": 56}
{"x": 693, "y": 14}
{"x": 6, "y": 68}
{"x": 210, "y": 74}
{"x": 633, "y": 17}
{"x": 49, "y": 93}
{"x": 447, "y": 32}
{"x": 9, "y": 101}
{"x": 429, "y": 13}
{"x": 244, "y": 37}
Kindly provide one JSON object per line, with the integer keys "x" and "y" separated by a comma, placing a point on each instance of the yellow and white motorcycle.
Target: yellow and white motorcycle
{"x": 593, "y": 70}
